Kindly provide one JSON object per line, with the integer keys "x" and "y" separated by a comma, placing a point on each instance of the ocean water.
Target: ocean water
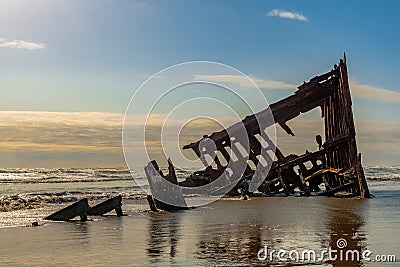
{"x": 28, "y": 195}
{"x": 46, "y": 189}
{"x": 226, "y": 232}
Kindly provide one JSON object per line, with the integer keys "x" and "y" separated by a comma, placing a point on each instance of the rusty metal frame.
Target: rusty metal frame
{"x": 337, "y": 163}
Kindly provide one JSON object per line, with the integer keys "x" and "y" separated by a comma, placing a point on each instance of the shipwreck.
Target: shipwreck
{"x": 335, "y": 169}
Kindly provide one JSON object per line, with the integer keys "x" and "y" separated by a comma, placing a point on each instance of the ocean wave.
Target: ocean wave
{"x": 72, "y": 175}
{"x": 13, "y": 171}
{"x": 57, "y": 180}
{"x": 391, "y": 177}
{"x": 90, "y": 175}
{"x": 36, "y": 200}
{"x": 68, "y": 175}
{"x": 382, "y": 173}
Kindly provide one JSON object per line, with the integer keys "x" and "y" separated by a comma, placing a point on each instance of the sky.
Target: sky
{"x": 68, "y": 68}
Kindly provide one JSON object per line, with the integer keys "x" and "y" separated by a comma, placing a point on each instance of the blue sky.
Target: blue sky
{"x": 97, "y": 52}
{"x": 90, "y": 56}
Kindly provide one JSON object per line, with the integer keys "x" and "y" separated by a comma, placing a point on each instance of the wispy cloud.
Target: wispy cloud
{"x": 20, "y": 44}
{"x": 287, "y": 15}
{"x": 48, "y": 139}
{"x": 357, "y": 90}
{"x": 57, "y": 139}
{"x": 60, "y": 131}
{"x": 244, "y": 82}
{"x": 370, "y": 92}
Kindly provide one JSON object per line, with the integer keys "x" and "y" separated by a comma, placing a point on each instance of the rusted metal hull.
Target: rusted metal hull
{"x": 336, "y": 168}
{"x": 159, "y": 190}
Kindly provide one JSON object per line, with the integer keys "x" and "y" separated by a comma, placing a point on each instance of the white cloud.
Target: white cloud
{"x": 43, "y": 118}
{"x": 286, "y": 14}
{"x": 20, "y": 44}
{"x": 370, "y": 92}
{"x": 244, "y": 82}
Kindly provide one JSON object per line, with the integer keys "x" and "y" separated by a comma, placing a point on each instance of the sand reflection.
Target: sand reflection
{"x": 163, "y": 235}
{"x": 232, "y": 232}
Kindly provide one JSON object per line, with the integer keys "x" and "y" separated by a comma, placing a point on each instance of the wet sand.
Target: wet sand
{"x": 226, "y": 232}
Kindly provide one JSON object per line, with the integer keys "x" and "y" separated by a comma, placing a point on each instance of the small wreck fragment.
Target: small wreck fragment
{"x": 335, "y": 170}
{"x": 79, "y": 208}
{"x": 82, "y": 209}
